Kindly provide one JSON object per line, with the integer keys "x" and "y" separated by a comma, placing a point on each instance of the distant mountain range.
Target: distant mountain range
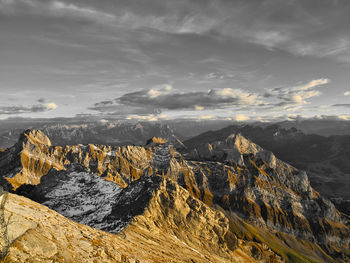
{"x": 64, "y": 131}
{"x": 214, "y": 198}
{"x": 322, "y": 127}
{"x": 326, "y": 159}
{"x": 95, "y": 132}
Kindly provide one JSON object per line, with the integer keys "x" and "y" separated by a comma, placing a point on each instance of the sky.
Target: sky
{"x": 151, "y": 60}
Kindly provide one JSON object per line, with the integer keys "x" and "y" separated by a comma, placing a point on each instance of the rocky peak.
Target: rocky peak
{"x": 155, "y": 141}
{"x": 28, "y": 159}
{"x": 233, "y": 148}
{"x": 243, "y": 145}
{"x": 34, "y": 137}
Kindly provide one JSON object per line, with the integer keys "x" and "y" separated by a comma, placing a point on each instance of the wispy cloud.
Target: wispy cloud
{"x": 55, "y": 8}
{"x": 296, "y": 28}
{"x": 15, "y": 110}
{"x": 63, "y": 8}
{"x": 294, "y": 97}
{"x": 150, "y": 117}
{"x": 268, "y": 39}
{"x": 335, "y": 47}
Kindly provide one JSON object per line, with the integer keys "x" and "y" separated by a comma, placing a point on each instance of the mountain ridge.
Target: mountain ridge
{"x": 319, "y": 156}
{"x": 253, "y": 186}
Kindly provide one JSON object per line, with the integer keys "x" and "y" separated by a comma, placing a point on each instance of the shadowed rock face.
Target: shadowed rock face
{"x": 234, "y": 175}
{"x": 76, "y": 194}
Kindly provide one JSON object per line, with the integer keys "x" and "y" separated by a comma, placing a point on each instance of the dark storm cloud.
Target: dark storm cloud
{"x": 42, "y": 100}
{"x": 166, "y": 98}
{"x": 342, "y": 105}
{"x": 11, "y": 110}
{"x": 121, "y": 110}
{"x": 103, "y": 103}
{"x": 155, "y": 100}
{"x": 113, "y": 108}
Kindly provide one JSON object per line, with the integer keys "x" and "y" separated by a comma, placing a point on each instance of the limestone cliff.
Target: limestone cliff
{"x": 260, "y": 197}
{"x": 38, "y": 234}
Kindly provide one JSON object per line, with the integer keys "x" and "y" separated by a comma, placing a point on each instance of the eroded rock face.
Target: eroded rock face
{"x": 49, "y": 237}
{"x": 39, "y": 234}
{"x": 269, "y": 192}
{"x": 28, "y": 160}
{"x": 235, "y": 174}
{"x": 173, "y": 209}
{"x": 4, "y": 238}
{"x": 158, "y": 216}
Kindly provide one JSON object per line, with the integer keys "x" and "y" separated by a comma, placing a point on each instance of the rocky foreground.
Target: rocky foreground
{"x": 226, "y": 201}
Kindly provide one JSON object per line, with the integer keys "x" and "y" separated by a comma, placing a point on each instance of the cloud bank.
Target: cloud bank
{"x": 165, "y": 98}
{"x": 15, "y": 110}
